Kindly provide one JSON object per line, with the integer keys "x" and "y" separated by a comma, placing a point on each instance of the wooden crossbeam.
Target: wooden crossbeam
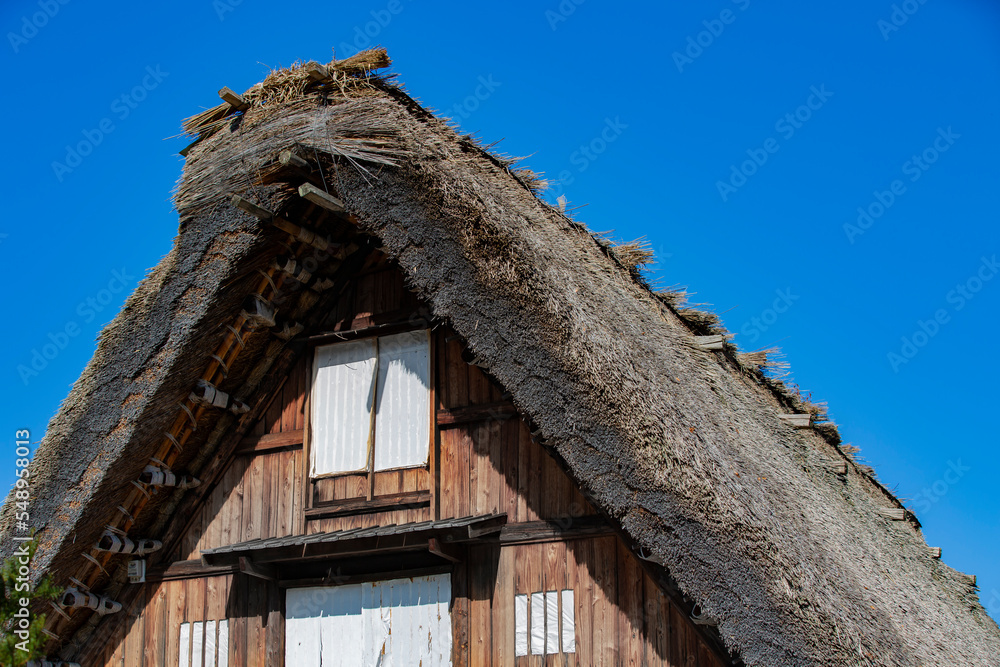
{"x": 435, "y": 547}
{"x": 797, "y": 420}
{"x": 709, "y": 343}
{"x": 252, "y": 569}
{"x": 893, "y": 513}
{"x": 234, "y": 100}
{"x": 316, "y": 71}
{"x": 320, "y": 198}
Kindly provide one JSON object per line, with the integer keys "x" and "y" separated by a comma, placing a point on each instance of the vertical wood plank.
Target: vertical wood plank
{"x": 176, "y": 604}
{"x": 554, "y": 579}
{"x": 275, "y": 620}
{"x": 679, "y": 638}
{"x": 507, "y": 467}
{"x": 631, "y": 642}
{"x": 256, "y": 633}
{"x": 528, "y": 476}
{"x": 253, "y": 499}
{"x": 460, "y": 614}
{"x": 605, "y": 628}
{"x": 657, "y": 624}
{"x": 232, "y": 511}
{"x": 236, "y": 611}
{"x": 134, "y": 637}
{"x": 481, "y": 584}
{"x": 457, "y": 376}
{"x": 503, "y": 610}
{"x": 155, "y": 625}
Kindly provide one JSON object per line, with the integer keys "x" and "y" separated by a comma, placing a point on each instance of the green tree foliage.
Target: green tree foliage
{"x": 21, "y": 639}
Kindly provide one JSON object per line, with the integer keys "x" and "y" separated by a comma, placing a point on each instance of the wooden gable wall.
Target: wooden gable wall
{"x": 483, "y": 460}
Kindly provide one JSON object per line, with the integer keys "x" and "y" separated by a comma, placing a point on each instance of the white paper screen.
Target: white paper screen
{"x": 341, "y": 406}
{"x": 520, "y": 625}
{"x": 397, "y": 622}
{"x": 568, "y": 622}
{"x": 402, "y": 427}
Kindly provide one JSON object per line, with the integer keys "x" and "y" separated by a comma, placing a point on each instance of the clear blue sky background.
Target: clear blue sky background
{"x": 557, "y": 80}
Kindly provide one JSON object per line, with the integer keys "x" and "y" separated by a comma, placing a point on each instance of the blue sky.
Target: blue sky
{"x": 740, "y": 137}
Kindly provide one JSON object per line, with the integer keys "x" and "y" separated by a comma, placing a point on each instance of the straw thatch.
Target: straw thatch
{"x": 682, "y": 448}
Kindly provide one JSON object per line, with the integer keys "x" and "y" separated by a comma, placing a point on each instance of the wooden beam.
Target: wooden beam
{"x": 234, "y": 100}
{"x": 473, "y": 413}
{"x": 560, "y": 529}
{"x": 256, "y": 444}
{"x": 935, "y": 552}
{"x": 316, "y": 71}
{"x": 407, "y": 500}
{"x": 797, "y": 420}
{"x": 187, "y": 569}
{"x": 252, "y": 569}
{"x": 320, "y": 198}
{"x": 435, "y": 547}
{"x": 709, "y": 343}
{"x": 251, "y": 208}
{"x": 290, "y": 159}
{"x": 893, "y": 513}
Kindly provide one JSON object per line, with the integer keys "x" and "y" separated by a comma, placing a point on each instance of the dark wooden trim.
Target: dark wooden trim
{"x": 555, "y": 530}
{"x": 363, "y": 328}
{"x": 265, "y": 572}
{"x": 335, "y": 508}
{"x": 473, "y": 413}
{"x": 188, "y": 569}
{"x": 257, "y": 444}
{"x": 447, "y": 552}
{"x": 362, "y": 578}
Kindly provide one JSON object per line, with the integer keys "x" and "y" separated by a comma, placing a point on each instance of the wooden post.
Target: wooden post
{"x": 234, "y": 100}
{"x": 321, "y": 198}
{"x": 709, "y": 343}
{"x": 797, "y": 420}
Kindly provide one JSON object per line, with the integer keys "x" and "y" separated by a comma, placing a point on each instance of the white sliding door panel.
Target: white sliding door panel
{"x": 399, "y": 622}
{"x": 403, "y": 428}
{"x": 341, "y": 406}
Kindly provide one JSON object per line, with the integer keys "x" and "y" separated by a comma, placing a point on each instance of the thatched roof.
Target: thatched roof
{"x": 681, "y": 446}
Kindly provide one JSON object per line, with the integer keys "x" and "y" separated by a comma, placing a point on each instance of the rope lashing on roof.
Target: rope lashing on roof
{"x": 258, "y": 312}
{"x": 157, "y": 477}
{"x": 73, "y": 598}
{"x": 205, "y": 393}
{"x": 93, "y": 560}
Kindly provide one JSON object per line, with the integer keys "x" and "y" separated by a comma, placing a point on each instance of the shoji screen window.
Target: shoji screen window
{"x": 370, "y": 406}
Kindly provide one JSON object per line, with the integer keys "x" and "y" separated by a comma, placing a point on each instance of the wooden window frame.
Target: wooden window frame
{"x": 370, "y": 472}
